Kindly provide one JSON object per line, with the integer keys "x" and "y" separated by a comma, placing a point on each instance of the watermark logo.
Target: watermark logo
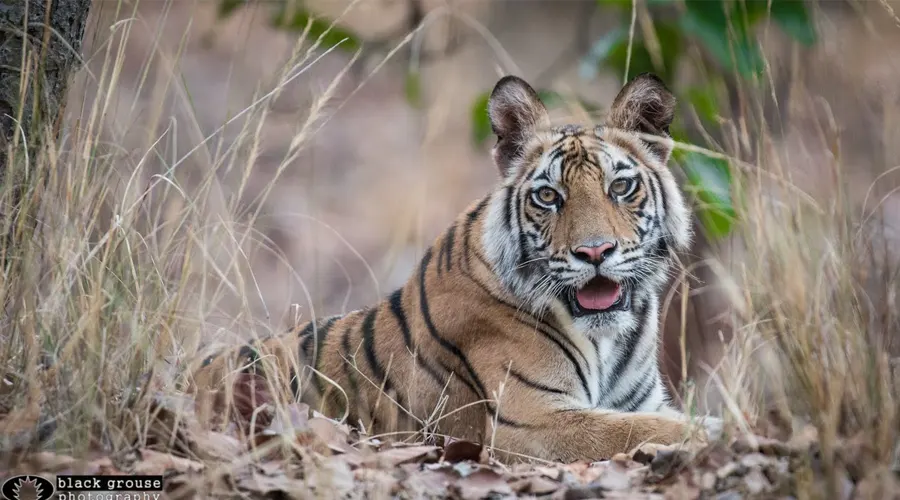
{"x": 27, "y": 488}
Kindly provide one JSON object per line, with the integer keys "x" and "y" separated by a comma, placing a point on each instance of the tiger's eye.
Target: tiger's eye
{"x": 621, "y": 187}
{"x": 547, "y": 195}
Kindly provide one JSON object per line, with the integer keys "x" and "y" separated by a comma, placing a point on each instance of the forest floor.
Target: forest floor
{"x": 297, "y": 453}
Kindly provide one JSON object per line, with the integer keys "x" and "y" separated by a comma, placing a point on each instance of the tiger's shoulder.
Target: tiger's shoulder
{"x": 536, "y": 308}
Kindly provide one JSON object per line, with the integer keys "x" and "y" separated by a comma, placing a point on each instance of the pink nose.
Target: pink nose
{"x": 595, "y": 254}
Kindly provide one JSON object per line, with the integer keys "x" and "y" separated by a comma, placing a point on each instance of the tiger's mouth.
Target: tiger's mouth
{"x": 600, "y": 295}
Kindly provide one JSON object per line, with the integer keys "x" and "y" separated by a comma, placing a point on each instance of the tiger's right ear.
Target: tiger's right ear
{"x": 516, "y": 112}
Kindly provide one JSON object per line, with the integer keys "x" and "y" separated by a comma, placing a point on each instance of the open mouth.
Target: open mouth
{"x": 598, "y": 296}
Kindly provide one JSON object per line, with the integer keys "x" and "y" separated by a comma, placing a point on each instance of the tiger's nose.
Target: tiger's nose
{"x": 595, "y": 254}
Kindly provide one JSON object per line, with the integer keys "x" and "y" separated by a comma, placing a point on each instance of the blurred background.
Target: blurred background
{"x": 362, "y": 158}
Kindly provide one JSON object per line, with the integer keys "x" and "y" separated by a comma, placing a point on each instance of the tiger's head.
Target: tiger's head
{"x": 585, "y": 217}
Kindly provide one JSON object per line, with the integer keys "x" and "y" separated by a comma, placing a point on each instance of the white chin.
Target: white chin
{"x": 609, "y": 323}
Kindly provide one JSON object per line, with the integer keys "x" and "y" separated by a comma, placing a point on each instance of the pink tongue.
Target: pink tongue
{"x": 598, "y": 297}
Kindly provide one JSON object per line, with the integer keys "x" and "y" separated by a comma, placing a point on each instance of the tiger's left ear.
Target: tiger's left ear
{"x": 516, "y": 112}
{"x": 645, "y": 105}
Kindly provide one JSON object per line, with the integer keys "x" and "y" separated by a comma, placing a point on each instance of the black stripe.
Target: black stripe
{"x": 431, "y": 370}
{"x": 447, "y": 248}
{"x": 459, "y": 377}
{"x": 634, "y": 399}
{"x": 492, "y": 410}
{"x": 349, "y": 367}
{"x": 578, "y": 371}
{"x": 507, "y": 209}
{"x": 440, "y": 259}
{"x": 631, "y": 344}
{"x": 630, "y": 259}
{"x": 663, "y": 207}
{"x": 554, "y": 155}
{"x": 507, "y": 422}
{"x": 467, "y": 226}
{"x": 557, "y": 336}
{"x": 368, "y": 335}
{"x": 252, "y": 356}
{"x": 446, "y": 344}
{"x": 542, "y": 175}
{"x": 534, "y": 385}
{"x": 522, "y": 242}
{"x": 396, "y": 302}
{"x": 538, "y": 326}
{"x": 321, "y": 332}
{"x": 306, "y": 345}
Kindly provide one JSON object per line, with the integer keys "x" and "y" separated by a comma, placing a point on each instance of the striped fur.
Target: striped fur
{"x": 489, "y": 305}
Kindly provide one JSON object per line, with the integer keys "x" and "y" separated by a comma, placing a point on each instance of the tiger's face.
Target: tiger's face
{"x": 585, "y": 216}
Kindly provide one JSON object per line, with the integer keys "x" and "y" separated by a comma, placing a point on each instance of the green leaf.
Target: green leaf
{"x": 551, "y": 98}
{"x": 320, "y": 29}
{"x": 413, "y": 88}
{"x": 709, "y": 179}
{"x": 620, "y": 4}
{"x": 611, "y": 52}
{"x": 705, "y": 103}
{"x": 481, "y": 121}
{"x": 600, "y": 51}
{"x": 793, "y": 17}
{"x": 708, "y": 21}
{"x": 227, "y": 7}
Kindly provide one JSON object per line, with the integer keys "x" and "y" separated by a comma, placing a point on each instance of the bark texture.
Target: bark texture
{"x": 40, "y": 39}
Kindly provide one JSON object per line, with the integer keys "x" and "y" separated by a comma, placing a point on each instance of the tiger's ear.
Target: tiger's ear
{"x": 516, "y": 112}
{"x": 645, "y": 105}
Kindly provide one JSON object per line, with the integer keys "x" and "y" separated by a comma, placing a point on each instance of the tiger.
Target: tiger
{"x": 531, "y": 323}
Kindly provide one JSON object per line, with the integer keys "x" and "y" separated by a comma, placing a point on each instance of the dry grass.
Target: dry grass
{"x": 123, "y": 262}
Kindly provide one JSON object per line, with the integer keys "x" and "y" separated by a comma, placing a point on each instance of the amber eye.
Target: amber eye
{"x": 621, "y": 187}
{"x": 547, "y": 196}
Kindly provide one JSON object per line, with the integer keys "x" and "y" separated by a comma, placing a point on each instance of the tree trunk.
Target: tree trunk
{"x": 39, "y": 49}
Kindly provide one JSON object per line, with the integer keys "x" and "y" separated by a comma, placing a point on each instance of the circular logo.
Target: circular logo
{"x": 27, "y": 488}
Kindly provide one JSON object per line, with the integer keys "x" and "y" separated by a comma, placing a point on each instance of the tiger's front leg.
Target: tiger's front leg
{"x": 569, "y": 435}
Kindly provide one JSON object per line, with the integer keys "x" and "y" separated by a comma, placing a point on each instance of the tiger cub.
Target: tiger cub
{"x": 531, "y": 323}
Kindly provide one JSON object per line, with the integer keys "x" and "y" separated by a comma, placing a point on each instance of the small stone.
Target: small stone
{"x": 756, "y": 482}
{"x": 708, "y": 481}
{"x": 727, "y": 470}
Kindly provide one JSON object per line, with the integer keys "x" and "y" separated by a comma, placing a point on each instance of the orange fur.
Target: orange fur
{"x": 433, "y": 356}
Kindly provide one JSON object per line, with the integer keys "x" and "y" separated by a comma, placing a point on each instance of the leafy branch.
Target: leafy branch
{"x": 722, "y": 31}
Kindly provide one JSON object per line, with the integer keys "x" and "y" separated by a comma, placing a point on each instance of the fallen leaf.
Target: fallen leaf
{"x": 49, "y": 462}
{"x": 756, "y": 483}
{"x": 155, "y": 463}
{"x": 101, "y": 467}
{"x": 393, "y": 457}
{"x": 481, "y": 484}
{"x": 613, "y": 478}
{"x": 251, "y": 398}
{"x": 668, "y": 462}
{"x": 215, "y": 446}
{"x": 432, "y": 483}
{"x": 535, "y": 485}
{"x": 294, "y": 419}
{"x": 278, "y": 486}
{"x": 331, "y": 433}
{"x": 681, "y": 490}
{"x": 460, "y": 450}
{"x": 583, "y": 472}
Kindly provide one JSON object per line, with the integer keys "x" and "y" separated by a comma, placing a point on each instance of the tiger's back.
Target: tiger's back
{"x": 533, "y": 318}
